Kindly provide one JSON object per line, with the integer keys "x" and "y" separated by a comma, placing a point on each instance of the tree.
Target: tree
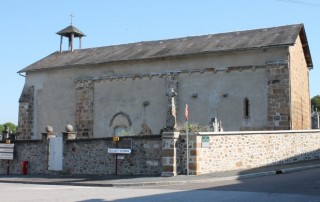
{"x": 315, "y": 103}
{"x": 11, "y": 126}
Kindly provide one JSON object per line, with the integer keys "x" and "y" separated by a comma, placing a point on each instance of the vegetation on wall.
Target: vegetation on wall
{"x": 193, "y": 127}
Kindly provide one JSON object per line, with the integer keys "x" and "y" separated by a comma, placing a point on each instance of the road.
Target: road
{"x": 305, "y": 182}
{"x": 297, "y": 186}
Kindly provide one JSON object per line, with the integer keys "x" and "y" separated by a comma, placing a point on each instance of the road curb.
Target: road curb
{"x": 217, "y": 179}
{"x": 160, "y": 183}
{"x": 289, "y": 170}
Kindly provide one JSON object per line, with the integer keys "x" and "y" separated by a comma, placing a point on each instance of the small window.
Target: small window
{"x": 120, "y": 131}
{"x": 246, "y": 108}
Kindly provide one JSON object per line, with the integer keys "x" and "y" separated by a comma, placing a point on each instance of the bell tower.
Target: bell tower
{"x": 70, "y": 32}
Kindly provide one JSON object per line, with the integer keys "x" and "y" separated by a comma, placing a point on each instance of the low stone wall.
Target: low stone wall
{"x": 90, "y": 156}
{"x": 213, "y": 152}
{"x": 33, "y": 151}
{"x": 166, "y": 154}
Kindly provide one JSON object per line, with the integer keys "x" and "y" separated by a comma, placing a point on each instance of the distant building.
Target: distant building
{"x": 250, "y": 80}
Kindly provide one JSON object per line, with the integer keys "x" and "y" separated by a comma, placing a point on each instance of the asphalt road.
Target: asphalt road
{"x": 297, "y": 186}
{"x": 305, "y": 182}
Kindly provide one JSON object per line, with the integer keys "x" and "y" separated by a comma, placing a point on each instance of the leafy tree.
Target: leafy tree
{"x": 315, "y": 102}
{"x": 11, "y": 126}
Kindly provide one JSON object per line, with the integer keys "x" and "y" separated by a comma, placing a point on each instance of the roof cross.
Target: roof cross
{"x": 71, "y": 16}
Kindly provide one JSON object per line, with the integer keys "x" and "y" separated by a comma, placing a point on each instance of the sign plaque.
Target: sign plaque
{"x": 6, "y": 151}
{"x": 119, "y": 151}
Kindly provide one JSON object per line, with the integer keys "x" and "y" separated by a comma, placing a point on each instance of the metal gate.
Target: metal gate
{"x": 55, "y": 153}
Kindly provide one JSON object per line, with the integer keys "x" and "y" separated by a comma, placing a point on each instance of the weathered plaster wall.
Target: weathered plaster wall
{"x": 56, "y": 98}
{"x": 300, "y": 92}
{"x": 222, "y": 95}
{"x": 128, "y": 96}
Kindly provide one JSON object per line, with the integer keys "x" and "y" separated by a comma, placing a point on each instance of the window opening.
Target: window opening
{"x": 120, "y": 131}
{"x": 246, "y": 108}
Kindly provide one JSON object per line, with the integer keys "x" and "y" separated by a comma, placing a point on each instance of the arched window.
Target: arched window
{"x": 120, "y": 124}
{"x": 246, "y": 108}
{"x": 120, "y": 131}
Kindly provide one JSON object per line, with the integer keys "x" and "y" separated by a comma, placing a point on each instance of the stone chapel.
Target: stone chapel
{"x": 249, "y": 80}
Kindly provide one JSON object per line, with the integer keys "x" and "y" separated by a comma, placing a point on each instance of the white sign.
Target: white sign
{"x": 8, "y": 156}
{"x": 120, "y": 157}
{"x": 119, "y": 151}
{"x": 6, "y": 151}
{"x": 2, "y": 145}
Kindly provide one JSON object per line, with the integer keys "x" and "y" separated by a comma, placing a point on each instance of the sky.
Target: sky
{"x": 28, "y": 29}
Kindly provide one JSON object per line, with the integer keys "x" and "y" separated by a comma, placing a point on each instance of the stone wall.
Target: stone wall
{"x": 278, "y": 97}
{"x": 249, "y": 150}
{"x": 33, "y": 151}
{"x": 84, "y": 109}
{"x": 166, "y": 154}
{"x": 300, "y": 92}
{"x": 26, "y": 109}
{"x": 90, "y": 156}
{"x": 170, "y": 157}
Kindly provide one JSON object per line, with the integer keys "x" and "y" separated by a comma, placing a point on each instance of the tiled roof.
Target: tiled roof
{"x": 232, "y": 41}
{"x": 71, "y": 29}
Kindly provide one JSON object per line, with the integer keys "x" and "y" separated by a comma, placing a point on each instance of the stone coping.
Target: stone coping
{"x": 24, "y": 141}
{"x": 90, "y": 139}
{"x": 110, "y": 138}
{"x": 255, "y": 132}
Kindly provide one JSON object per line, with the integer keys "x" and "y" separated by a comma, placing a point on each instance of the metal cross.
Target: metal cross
{"x": 71, "y": 16}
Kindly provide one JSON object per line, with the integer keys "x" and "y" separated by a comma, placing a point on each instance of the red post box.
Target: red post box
{"x": 24, "y": 167}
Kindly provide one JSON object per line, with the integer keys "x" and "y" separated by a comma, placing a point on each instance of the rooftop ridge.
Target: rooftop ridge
{"x": 190, "y": 45}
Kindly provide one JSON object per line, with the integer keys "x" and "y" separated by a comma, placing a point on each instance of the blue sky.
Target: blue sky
{"x": 28, "y": 29}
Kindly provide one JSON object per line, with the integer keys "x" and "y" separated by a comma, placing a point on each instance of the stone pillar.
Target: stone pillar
{"x": 66, "y": 136}
{"x": 44, "y": 137}
{"x": 45, "y": 141}
{"x": 279, "y": 114}
{"x": 169, "y": 153}
{"x": 84, "y": 108}
{"x": 194, "y": 155}
{"x": 69, "y": 134}
{"x": 49, "y": 131}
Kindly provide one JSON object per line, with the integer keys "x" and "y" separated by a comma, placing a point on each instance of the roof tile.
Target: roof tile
{"x": 232, "y": 41}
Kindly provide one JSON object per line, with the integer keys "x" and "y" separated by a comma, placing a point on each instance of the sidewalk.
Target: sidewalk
{"x": 121, "y": 181}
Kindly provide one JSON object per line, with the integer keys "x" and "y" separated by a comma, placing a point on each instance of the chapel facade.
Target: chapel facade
{"x": 248, "y": 80}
